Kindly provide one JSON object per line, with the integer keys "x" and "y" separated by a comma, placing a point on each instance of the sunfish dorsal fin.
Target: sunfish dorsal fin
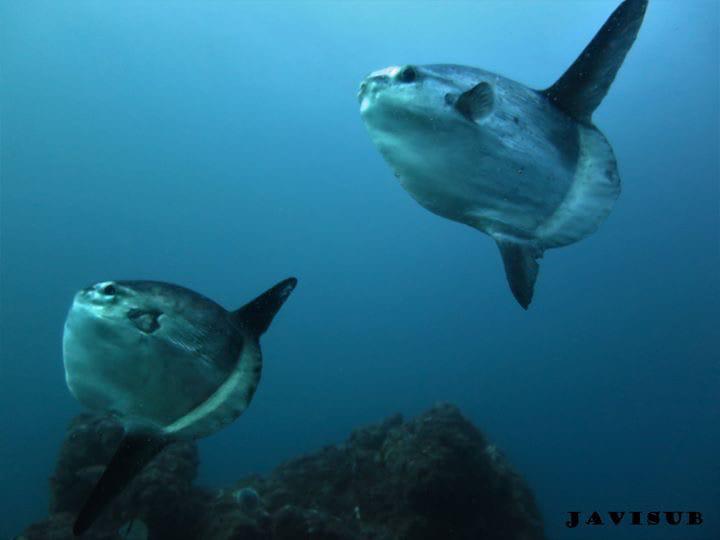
{"x": 259, "y": 313}
{"x": 584, "y": 85}
{"x": 135, "y": 451}
{"x": 521, "y": 268}
{"x": 476, "y": 103}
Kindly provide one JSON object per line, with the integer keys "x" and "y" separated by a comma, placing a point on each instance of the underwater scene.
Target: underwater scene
{"x": 360, "y": 270}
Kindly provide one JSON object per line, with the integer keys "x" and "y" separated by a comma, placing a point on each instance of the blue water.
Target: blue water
{"x": 219, "y": 146}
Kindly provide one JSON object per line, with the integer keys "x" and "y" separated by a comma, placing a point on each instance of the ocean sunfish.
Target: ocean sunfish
{"x": 527, "y": 167}
{"x": 171, "y": 364}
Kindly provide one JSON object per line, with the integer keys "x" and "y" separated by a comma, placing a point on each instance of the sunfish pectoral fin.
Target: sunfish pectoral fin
{"x": 476, "y": 103}
{"x": 258, "y": 314}
{"x": 136, "y": 450}
{"x": 584, "y": 85}
{"x": 521, "y": 268}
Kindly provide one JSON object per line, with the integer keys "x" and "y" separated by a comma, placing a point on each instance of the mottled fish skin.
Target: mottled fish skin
{"x": 171, "y": 364}
{"x": 525, "y": 166}
{"x": 164, "y": 357}
{"x": 503, "y": 175}
{"x": 142, "y": 373}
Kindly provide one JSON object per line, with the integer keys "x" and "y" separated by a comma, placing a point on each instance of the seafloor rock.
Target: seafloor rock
{"x": 431, "y": 478}
{"x": 162, "y": 495}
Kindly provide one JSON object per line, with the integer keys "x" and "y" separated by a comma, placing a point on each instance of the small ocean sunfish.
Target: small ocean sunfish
{"x": 526, "y": 167}
{"x": 170, "y": 363}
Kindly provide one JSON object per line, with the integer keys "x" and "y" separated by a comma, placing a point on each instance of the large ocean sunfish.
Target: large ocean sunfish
{"x": 168, "y": 362}
{"x": 527, "y": 167}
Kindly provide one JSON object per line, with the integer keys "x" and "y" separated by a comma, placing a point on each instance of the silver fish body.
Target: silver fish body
{"x": 525, "y": 166}
{"x": 508, "y": 174}
{"x": 150, "y": 352}
{"x": 169, "y": 363}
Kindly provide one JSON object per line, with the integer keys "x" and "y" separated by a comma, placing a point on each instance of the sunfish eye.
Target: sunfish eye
{"x": 407, "y": 74}
{"x": 109, "y": 290}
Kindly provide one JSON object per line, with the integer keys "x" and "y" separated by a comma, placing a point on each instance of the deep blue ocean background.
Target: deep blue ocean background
{"x": 219, "y": 145}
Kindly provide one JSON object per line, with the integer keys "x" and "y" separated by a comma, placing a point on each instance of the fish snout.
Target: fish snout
{"x": 371, "y": 85}
{"x": 104, "y": 293}
{"x": 363, "y": 89}
{"x": 375, "y": 82}
{"x": 84, "y": 295}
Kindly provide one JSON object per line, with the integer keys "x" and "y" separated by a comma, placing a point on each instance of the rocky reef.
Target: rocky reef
{"x": 434, "y": 477}
{"x": 162, "y": 496}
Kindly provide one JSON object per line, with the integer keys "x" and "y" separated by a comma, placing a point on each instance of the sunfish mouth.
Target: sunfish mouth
{"x": 376, "y": 80}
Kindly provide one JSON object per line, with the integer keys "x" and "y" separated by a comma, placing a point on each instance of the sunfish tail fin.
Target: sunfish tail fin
{"x": 135, "y": 451}
{"x": 259, "y": 313}
{"x": 521, "y": 268}
{"x": 584, "y": 85}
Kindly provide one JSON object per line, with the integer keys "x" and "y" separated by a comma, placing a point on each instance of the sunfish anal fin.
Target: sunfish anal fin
{"x": 135, "y": 451}
{"x": 521, "y": 268}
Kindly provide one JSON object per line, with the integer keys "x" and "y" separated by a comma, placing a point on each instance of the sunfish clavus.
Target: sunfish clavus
{"x": 527, "y": 167}
{"x": 170, "y": 363}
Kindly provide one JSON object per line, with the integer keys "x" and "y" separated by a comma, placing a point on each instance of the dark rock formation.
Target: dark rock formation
{"x": 162, "y": 495}
{"x": 431, "y": 478}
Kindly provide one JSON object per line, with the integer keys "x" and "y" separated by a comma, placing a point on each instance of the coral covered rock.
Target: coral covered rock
{"x": 434, "y": 477}
{"x": 161, "y": 495}
{"x": 431, "y": 478}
